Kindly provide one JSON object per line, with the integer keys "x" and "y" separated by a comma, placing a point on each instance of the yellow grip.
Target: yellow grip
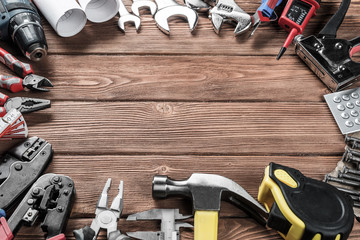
{"x": 206, "y": 225}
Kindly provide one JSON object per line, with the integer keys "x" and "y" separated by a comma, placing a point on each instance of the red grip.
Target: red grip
{"x": 272, "y": 3}
{"x": 58, "y": 237}
{"x": 14, "y": 84}
{"x": 20, "y": 68}
{"x": 2, "y": 114}
{"x": 5, "y": 232}
{"x": 3, "y": 99}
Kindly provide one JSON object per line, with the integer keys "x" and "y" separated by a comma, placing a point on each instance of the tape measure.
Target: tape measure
{"x": 301, "y": 208}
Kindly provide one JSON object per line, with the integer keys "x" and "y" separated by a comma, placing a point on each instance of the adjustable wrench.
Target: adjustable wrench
{"x": 170, "y": 8}
{"x": 125, "y": 16}
{"x": 228, "y": 10}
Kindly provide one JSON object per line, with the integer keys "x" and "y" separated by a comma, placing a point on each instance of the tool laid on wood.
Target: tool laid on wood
{"x": 170, "y": 8}
{"x": 20, "y": 167}
{"x": 169, "y": 227}
{"x": 345, "y": 107}
{"x": 229, "y": 11}
{"x": 50, "y": 199}
{"x": 22, "y": 104}
{"x": 206, "y": 192}
{"x": 198, "y": 5}
{"x": 13, "y": 125}
{"x": 106, "y": 218}
{"x": 302, "y": 208}
{"x": 139, "y": 4}
{"x": 295, "y": 17}
{"x": 329, "y": 57}
{"x": 23, "y": 70}
{"x": 20, "y": 21}
{"x": 265, "y": 13}
{"x": 126, "y": 17}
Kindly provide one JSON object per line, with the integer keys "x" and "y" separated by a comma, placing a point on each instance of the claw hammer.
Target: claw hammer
{"x": 206, "y": 192}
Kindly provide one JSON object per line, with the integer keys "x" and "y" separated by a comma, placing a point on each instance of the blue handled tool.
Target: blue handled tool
{"x": 265, "y": 13}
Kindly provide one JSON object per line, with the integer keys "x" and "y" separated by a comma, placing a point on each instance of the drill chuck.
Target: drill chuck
{"x": 26, "y": 31}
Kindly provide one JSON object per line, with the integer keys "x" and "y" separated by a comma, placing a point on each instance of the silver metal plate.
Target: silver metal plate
{"x": 345, "y": 107}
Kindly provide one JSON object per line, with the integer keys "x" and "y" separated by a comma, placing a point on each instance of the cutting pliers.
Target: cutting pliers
{"x": 22, "y": 104}
{"x": 26, "y": 79}
{"x": 106, "y": 218}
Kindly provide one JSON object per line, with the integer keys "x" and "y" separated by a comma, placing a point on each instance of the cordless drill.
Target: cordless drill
{"x": 20, "y": 21}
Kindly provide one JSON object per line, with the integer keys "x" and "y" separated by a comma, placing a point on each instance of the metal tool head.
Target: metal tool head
{"x": 229, "y": 11}
{"x": 107, "y": 218}
{"x": 139, "y": 4}
{"x": 169, "y": 226}
{"x": 158, "y": 214}
{"x": 207, "y": 191}
{"x": 129, "y": 19}
{"x": 36, "y": 83}
{"x": 162, "y": 16}
{"x": 197, "y": 5}
{"x": 26, "y": 105}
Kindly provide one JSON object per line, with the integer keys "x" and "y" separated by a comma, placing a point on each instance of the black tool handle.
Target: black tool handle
{"x": 331, "y": 27}
{"x": 85, "y": 233}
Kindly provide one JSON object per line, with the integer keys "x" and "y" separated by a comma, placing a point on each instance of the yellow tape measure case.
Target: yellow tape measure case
{"x": 301, "y": 208}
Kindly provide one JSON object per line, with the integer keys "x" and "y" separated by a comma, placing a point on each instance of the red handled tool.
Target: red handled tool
{"x": 294, "y": 19}
{"x": 22, "y": 104}
{"x": 23, "y": 70}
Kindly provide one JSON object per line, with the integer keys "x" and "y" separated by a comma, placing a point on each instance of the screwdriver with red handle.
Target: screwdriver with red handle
{"x": 26, "y": 79}
{"x": 295, "y": 17}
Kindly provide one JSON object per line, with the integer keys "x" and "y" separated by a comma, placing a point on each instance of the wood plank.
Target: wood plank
{"x": 106, "y": 38}
{"x": 228, "y": 229}
{"x": 188, "y": 128}
{"x": 179, "y": 78}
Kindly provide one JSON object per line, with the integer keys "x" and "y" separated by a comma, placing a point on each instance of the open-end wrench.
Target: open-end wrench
{"x": 228, "y": 10}
{"x": 170, "y": 8}
{"x": 125, "y": 16}
{"x": 138, "y": 4}
{"x": 197, "y": 5}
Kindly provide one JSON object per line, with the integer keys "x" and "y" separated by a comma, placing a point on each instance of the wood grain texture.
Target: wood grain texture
{"x": 188, "y": 128}
{"x": 181, "y": 78}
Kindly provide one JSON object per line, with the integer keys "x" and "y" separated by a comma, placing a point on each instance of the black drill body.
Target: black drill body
{"x": 21, "y": 23}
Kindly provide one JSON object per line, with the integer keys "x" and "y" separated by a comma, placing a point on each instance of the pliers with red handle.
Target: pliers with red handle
{"x": 22, "y": 104}
{"x": 26, "y": 79}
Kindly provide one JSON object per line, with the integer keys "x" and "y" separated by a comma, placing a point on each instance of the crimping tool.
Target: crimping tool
{"x": 301, "y": 208}
{"x": 26, "y": 77}
{"x": 50, "y": 198}
{"x": 329, "y": 57}
{"x": 21, "y": 166}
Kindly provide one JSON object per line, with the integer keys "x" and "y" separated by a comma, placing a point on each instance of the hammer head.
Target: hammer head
{"x": 207, "y": 191}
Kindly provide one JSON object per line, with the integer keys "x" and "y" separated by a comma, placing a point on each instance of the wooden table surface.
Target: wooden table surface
{"x": 129, "y": 106}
